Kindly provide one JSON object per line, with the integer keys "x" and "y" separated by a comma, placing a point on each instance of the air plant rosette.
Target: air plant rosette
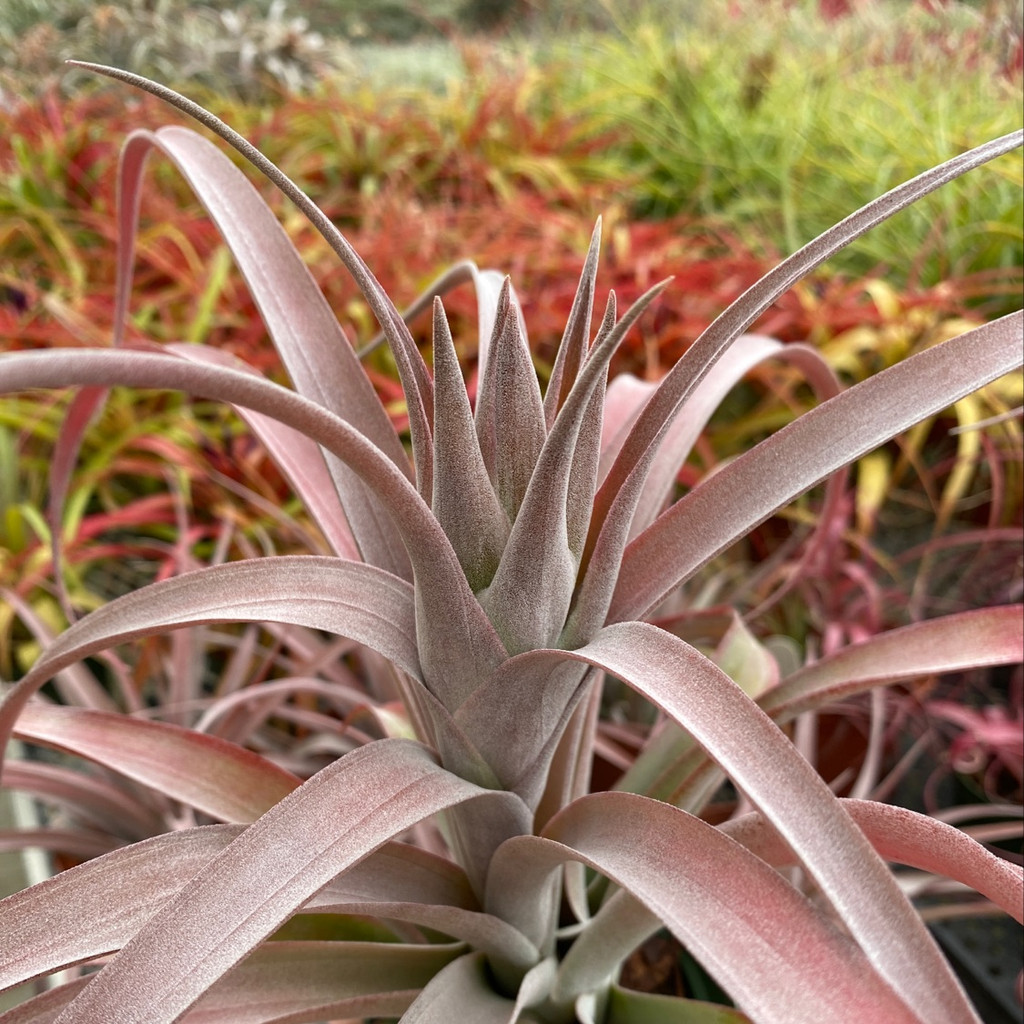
{"x": 498, "y": 571}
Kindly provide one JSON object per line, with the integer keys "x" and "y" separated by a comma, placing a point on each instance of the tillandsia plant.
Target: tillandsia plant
{"x": 498, "y": 569}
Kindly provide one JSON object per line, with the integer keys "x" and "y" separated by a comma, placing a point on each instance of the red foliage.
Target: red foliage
{"x": 432, "y": 204}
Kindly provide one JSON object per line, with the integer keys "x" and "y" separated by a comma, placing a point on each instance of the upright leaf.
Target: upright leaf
{"x": 532, "y": 590}
{"x": 616, "y": 501}
{"x": 415, "y": 379}
{"x": 644, "y": 436}
{"x": 510, "y": 413}
{"x": 464, "y": 501}
{"x": 572, "y": 351}
{"x": 307, "y": 335}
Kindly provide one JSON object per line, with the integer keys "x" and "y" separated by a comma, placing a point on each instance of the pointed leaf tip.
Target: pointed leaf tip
{"x": 573, "y": 348}
{"x": 463, "y": 499}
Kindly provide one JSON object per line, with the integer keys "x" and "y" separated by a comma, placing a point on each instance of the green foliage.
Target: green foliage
{"x": 243, "y": 50}
{"x": 777, "y": 119}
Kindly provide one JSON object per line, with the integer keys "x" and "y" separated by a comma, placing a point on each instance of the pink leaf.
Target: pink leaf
{"x": 314, "y": 349}
{"x": 108, "y": 898}
{"x": 742, "y": 494}
{"x": 299, "y": 458}
{"x": 348, "y": 598}
{"x": 457, "y": 643}
{"x": 415, "y": 379}
{"x": 111, "y": 897}
{"x": 985, "y": 636}
{"x": 210, "y": 774}
{"x": 96, "y": 801}
{"x": 327, "y": 825}
{"x": 509, "y": 406}
{"x": 907, "y": 837}
{"x": 572, "y": 351}
{"x": 644, "y": 437}
{"x": 464, "y": 500}
{"x": 769, "y": 769}
{"x": 291, "y": 982}
{"x": 778, "y": 956}
{"x": 990, "y": 636}
{"x": 311, "y": 981}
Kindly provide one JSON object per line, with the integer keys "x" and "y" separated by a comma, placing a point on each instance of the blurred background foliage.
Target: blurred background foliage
{"x": 773, "y": 117}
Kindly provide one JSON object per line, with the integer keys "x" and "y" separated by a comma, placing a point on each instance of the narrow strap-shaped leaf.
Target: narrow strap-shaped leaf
{"x": 97, "y": 801}
{"x": 659, "y": 765}
{"x": 644, "y": 491}
{"x": 225, "y": 781}
{"x": 77, "y": 843}
{"x": 83, "y": 409}
{"x": 302, "y": 462}
{"x": 348, "y": 598}
{"x": 109, "y": 899}
{"x": 781, "y": 959}
{"x": 457, "y": 644}
{"x": 569, "y": 773}
{"x": 672, "y": 450}
{"x": 292, "y": 981}
{"x": 572, "y": 350}
{"x": 972, "y": 639}
{"x": 131, "y": 165}
{"x": 496, "y": 938}
{"x": 638, "y": 450}
{"x": 488, "y": 285}
{"x": 668, "y": 768}
{"x": 464, "y": 501}
{"x": 744, "y": 493}
{"x": 625, "y": 1006}
{"x": 415, "y": 379}
{"x": 510, "y": 412}
{"x": 75, "y": 684}
{"x": 746, "y": 353}
{"x": 327, "y": 825}
{"x": 583, "y": 475}
{"x": 112, "y": 896}
{"x": 906, "y": 837}
{"x": 315, "y": 981}
{"x": 87, "y": 403}
{"x": 786, "y": 789}
{"x": 317, "y": 355}
{"x": 401, "y": 872}
{"x": 622, "y": 924}
{"x": 45, "y": 1007}
{"x": 306, "y": 333}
